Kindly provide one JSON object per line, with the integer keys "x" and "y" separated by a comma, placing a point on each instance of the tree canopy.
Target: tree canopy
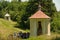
{"x": 47, "y": 6}
{"x": 21, "y": 11}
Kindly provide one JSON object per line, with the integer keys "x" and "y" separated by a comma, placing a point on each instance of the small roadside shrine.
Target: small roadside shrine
{"x": 7, "y": 17}
{"x": 39, "y": 24}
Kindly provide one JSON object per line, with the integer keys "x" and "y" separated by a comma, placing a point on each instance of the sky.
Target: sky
{"x": 57, "y": 4}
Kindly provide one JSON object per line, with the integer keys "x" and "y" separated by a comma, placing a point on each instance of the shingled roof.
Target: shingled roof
{"x": 39, "y": 14}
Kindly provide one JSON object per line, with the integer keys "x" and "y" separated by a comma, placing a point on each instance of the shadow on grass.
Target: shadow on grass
{"x": 56, "y": 38}
{"x": 21, "y": 27}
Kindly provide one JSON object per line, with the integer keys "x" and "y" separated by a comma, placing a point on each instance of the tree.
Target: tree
{"x": 47, "y": 6}
{"x": 21, "y": 22}
{"x": 55, "y": 24}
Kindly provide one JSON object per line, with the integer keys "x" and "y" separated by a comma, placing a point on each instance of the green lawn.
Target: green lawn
{"x": 7, "y": 27}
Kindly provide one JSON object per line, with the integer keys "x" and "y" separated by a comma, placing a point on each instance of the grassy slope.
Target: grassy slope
{"x": 7, "y": 27}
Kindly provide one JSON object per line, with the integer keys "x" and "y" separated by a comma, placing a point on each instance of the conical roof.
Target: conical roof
{"x": 7, "y": 14}
{"x": 39, "y": 14}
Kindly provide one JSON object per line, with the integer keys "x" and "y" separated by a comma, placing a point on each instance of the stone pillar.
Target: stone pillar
{"x": 48, "y": 28}
{"x": 9, "y": 18}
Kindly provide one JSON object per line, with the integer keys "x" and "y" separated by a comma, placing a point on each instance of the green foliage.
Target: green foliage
{"x": 15, "y": 9}
{"x": 55, "y": 24}
{"x": 21, "y": 11}
{"x": 47, "y": 6}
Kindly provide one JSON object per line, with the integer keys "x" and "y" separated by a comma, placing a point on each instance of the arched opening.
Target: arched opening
{"x": 39, "y": 30}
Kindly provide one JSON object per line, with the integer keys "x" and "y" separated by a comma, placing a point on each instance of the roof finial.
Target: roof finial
{"x": 39, "y": 6}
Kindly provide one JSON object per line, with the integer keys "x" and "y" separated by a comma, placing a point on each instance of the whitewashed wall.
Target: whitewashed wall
{"x": 34, "y": 25}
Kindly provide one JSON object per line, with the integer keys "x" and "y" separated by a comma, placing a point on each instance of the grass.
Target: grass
{"x": 53, "y": 36}
{"x": 7, "y": 27}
